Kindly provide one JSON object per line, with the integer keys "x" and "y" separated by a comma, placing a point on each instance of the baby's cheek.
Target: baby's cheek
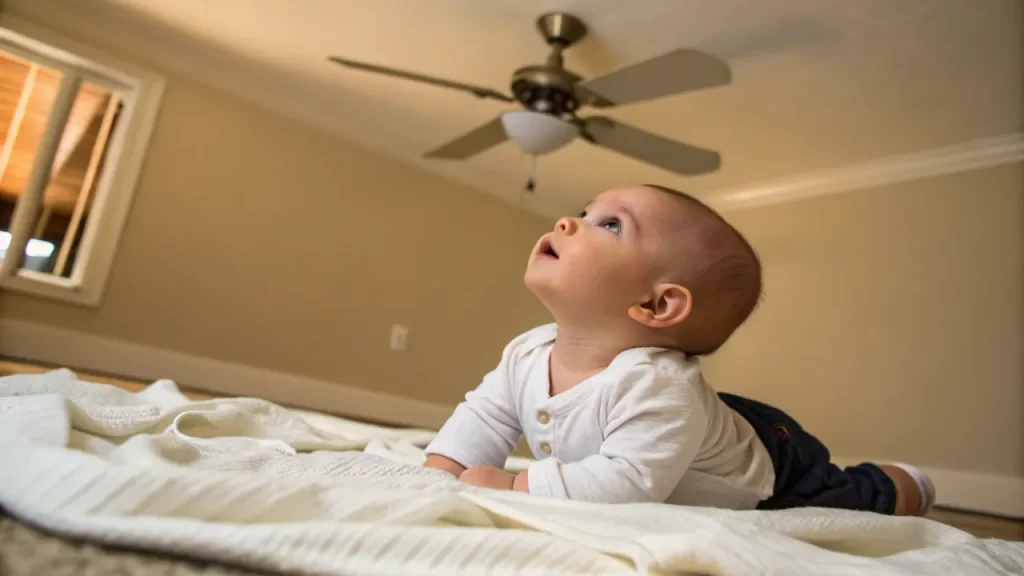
{"x": 596, "y": 267}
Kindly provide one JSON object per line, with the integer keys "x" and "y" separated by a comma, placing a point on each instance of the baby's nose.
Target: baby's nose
{"x": 566, "y": 226}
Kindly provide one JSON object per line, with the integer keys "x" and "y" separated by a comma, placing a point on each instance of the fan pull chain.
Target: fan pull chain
{"x": 531, "y": 181}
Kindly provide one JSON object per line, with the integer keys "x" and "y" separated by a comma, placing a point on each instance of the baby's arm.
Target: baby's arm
{"x": 654, "y": 430}
{"x": 482, "y": 431}
{"x": 443, "y": 463}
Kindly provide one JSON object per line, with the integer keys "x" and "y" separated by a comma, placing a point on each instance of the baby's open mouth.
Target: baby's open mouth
{"x": 547, "y": 250}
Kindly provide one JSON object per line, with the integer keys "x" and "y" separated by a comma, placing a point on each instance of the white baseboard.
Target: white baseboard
{"x": 967, "y": 490}
{"x": 77, "y": 350}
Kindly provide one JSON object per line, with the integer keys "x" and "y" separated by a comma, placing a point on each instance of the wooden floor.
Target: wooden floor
{"x": 10, "y": 366}
{"x": 981, "y": 525}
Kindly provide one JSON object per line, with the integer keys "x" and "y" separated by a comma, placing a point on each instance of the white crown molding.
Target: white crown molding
{"x": 964, "y": 157}
{"x": 81, "y": 351}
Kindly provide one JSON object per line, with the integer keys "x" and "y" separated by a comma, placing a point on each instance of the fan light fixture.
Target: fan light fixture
{"x": 549, "y": 98}
{"x": 537, "y": 133}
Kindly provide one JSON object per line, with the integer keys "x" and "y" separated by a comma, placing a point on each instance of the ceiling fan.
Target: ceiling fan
{"x": 551, "y": 97}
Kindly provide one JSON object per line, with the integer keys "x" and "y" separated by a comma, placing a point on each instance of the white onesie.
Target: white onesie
{"x": 646, "y": 429}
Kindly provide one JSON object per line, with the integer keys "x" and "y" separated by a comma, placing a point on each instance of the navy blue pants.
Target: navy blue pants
{"x": 804, "y": 474}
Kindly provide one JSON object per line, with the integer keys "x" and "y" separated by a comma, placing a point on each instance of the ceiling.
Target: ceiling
{"x": 816, "y": 83}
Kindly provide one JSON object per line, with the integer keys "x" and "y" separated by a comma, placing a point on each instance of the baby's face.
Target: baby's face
{"x": 605, "y": 260}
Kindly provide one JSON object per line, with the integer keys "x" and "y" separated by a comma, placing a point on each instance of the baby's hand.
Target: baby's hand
{"x": 488, "y": 477}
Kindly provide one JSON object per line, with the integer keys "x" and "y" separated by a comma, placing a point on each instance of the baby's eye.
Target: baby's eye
{"x": 583, "y": 214}
{"x": 612, "y": 225}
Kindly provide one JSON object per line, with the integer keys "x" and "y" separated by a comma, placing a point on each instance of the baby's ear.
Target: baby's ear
{"x": 668, "y": 306}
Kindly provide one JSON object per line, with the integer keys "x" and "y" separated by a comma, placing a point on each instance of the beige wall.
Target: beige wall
{"x": 893, "y": 324}
{"x": 254, "y": 239}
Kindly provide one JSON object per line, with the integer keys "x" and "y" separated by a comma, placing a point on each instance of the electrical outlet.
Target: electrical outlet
{"x": 399, "y": 337}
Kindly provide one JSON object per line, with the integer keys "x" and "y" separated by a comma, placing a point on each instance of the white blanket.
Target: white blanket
{"x": 247, "y": 482}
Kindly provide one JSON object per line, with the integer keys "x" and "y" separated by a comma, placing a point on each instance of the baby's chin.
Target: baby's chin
{"x": 560, "y": 295}
{"x": 544, "y": 284}
{"x": 537, "y": 280}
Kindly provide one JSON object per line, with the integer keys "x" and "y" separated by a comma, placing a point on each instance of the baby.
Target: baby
{"x": 611, "y": 398}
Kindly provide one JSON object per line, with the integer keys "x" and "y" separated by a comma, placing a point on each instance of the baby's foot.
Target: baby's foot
{"x": 915, "y": 492}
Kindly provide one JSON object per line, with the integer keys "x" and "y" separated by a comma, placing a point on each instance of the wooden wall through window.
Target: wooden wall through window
{"x": 27, "y": 93}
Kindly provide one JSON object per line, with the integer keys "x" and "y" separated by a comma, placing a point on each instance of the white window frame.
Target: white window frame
{"x": 141, "y": 92}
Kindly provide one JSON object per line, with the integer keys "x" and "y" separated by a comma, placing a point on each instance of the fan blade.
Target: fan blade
{"x": 477, "y": 91}
{"x": 472, "y": 143}
{"x": 650, "y": 148}
{"x": 683, "y": 70}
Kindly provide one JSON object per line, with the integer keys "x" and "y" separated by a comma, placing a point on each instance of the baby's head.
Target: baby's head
{"x": 647, "y": 266}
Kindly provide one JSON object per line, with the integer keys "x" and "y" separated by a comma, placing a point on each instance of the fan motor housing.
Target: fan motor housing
{"x": 546, "y": 89}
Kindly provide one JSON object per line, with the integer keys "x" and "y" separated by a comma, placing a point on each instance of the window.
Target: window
{"x": 74, "y": 125}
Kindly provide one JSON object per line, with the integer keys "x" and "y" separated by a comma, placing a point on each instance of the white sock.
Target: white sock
{"x": 924, "y": 485}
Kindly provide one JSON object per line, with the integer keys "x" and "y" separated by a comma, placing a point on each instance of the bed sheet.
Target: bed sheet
{"x": 247, "y": 483}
